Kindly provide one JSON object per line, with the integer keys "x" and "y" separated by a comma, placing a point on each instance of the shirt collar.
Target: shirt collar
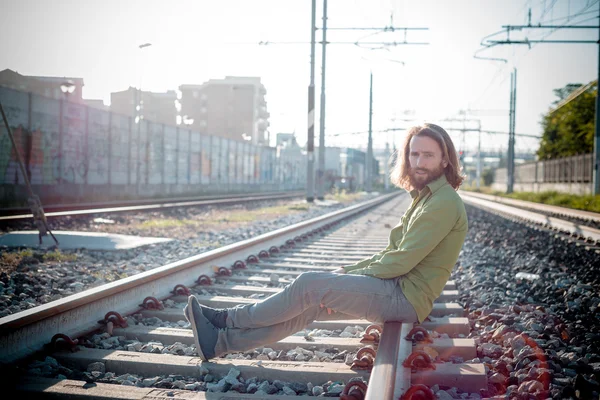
{"x": 431, "y": 186}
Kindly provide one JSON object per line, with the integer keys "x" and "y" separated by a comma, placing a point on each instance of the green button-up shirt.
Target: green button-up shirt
{"x": 424, "y": 247}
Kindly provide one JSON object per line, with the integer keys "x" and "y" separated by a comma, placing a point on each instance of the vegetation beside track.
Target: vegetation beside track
{"x": 577, "y": 202}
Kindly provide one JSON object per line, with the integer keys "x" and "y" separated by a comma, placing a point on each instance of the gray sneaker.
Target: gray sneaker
{"x": 216, "y": 316}
{"x": 205, "y": 333}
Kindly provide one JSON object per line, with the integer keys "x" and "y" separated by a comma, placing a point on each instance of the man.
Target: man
{"x": 399, "y": 283}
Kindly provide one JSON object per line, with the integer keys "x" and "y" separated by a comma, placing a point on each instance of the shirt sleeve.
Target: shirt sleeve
{"x": 364, "y": 263}
{"x": 424, "y": 234}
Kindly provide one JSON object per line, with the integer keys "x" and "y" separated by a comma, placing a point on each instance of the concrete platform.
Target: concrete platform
{"x": 78, "y": 240}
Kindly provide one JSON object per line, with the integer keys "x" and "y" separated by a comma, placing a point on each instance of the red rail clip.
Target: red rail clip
{"x": 364, "y": 358}
{"x": 239, "y": 264}
{"x": 204, "y": 280}
{"x": 354, "y": 391}
{"x": 62, "y": 341}
{"x": 152, "y": 303}
{"x": 222, "y": 271}
{"x": 424, "y": 393}
{"x": 263, "y": 254}
{"x": 181, "y": 290}
{"x": 115, "y": 318}
{"x": 252, "y": 259}
{"x": 273, "y": 250}
{"x": 419, "y": 360}
{"x": 372, "y": 334}
{"x": 419, "y": 334}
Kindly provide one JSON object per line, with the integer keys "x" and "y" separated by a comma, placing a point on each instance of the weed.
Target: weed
{"x": 58, "y": 256}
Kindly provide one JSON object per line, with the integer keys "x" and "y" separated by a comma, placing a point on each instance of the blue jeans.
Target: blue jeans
{"x": 299, "y": 304}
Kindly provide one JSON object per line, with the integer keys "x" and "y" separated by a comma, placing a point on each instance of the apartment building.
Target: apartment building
{"x": 233, "y": 108}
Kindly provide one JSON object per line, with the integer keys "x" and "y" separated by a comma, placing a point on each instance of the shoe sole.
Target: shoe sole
{"x": 194, "y": 328}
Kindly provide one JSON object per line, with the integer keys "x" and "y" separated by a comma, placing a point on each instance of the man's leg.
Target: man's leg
{"x": 359, "y": 296}
{"x": 232, "y": 340}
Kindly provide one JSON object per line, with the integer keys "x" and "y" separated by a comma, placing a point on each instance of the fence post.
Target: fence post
{"x": 148, "y": 152}
{"x": 30, "y": 135}
{"x": 86, "y": 143}
{"x": 110, "y": 123}
{"x": 200, "y": 159}
{"x": 129, "y": 153}
{"x": 60, "y": 140}
{"x": 189, "y": 161}
{"x": 176, "y": 154}
{"x": 210, "y": 159}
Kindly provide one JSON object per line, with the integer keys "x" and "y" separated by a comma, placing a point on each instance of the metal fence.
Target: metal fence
{"x": 65, "y": 143}
{"x": 574, "y": 169}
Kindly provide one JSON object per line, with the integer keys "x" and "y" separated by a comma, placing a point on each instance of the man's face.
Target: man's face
{"x": 426, "y": 163}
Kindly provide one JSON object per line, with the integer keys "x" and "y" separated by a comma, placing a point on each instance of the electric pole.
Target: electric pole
{"x": 310, "y": 145}
{"x": 526, "y": 41}
{"x": 511, "y": 132}
{"x": 321, "y": 169}
{"x": 320, "y": 172}
{"x": 596, "y": 156}
{"x": 369, "y": 160}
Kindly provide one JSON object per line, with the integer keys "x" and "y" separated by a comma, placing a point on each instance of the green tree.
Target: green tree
{"x": 569, "y": 130}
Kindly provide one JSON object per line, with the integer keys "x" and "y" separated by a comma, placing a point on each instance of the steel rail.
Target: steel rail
{"x": 26, "y": 332}
{"x": 540, "y": 219}
{"x": 383, "y": 376}
{"x": 539, "y": 206}
{"x": 142, "y": 205}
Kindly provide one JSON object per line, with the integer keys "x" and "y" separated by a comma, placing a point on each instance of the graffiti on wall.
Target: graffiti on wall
{"x": 68, "y": 143}
{"x": 98, "y": 146}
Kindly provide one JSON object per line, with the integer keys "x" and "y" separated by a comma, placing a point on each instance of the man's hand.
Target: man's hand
{"x": 329, "y": 310}
{"x": 339, "y": 271}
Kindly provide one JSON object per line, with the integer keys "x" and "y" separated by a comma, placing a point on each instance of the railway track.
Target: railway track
{"x": 17, "y": 214}
{"x": 342, "y": 357}
{"x": 580, "y": 217}
{"x": 578, "y": 233}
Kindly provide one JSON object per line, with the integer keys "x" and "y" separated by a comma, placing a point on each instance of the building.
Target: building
{"x": 233, "y": 108}
{"x": 286, "y": 139}
{"x": 96, "y": 103}
{"x": 291, "y": 168}
{"x": 155, "y": 107}
{"x": 48, "y": 86}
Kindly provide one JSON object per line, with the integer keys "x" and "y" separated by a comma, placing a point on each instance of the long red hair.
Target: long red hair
{"x": 400, "y": 174}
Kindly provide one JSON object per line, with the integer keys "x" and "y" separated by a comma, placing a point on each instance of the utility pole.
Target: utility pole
{"x": 369, "y": 160}
{"x": 478, "y": 174}
{"x": 596, "y": 159}
{"x": 511, "y": 132}
{"x": 311, "y": 92}
{"x": 321, "y": 169}
{"x": 526, "y": 41}
{"x": 310, "y": 145}
{"x": 386, "y": 178}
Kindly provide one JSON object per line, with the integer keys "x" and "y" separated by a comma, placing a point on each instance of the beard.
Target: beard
{"x": 419, "y": 181}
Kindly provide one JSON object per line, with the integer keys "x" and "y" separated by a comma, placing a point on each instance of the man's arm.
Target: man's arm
{"x": 364, "y": 263}
{"x": 426, "y": 232}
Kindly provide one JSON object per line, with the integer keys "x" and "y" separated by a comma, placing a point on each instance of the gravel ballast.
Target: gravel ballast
{"x": 532, "y": 299}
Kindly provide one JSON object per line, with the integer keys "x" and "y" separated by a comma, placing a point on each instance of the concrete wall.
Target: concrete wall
{"x": 74, "y": 153}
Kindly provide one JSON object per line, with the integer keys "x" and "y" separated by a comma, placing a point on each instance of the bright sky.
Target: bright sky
{"x": 196, "y": 40}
